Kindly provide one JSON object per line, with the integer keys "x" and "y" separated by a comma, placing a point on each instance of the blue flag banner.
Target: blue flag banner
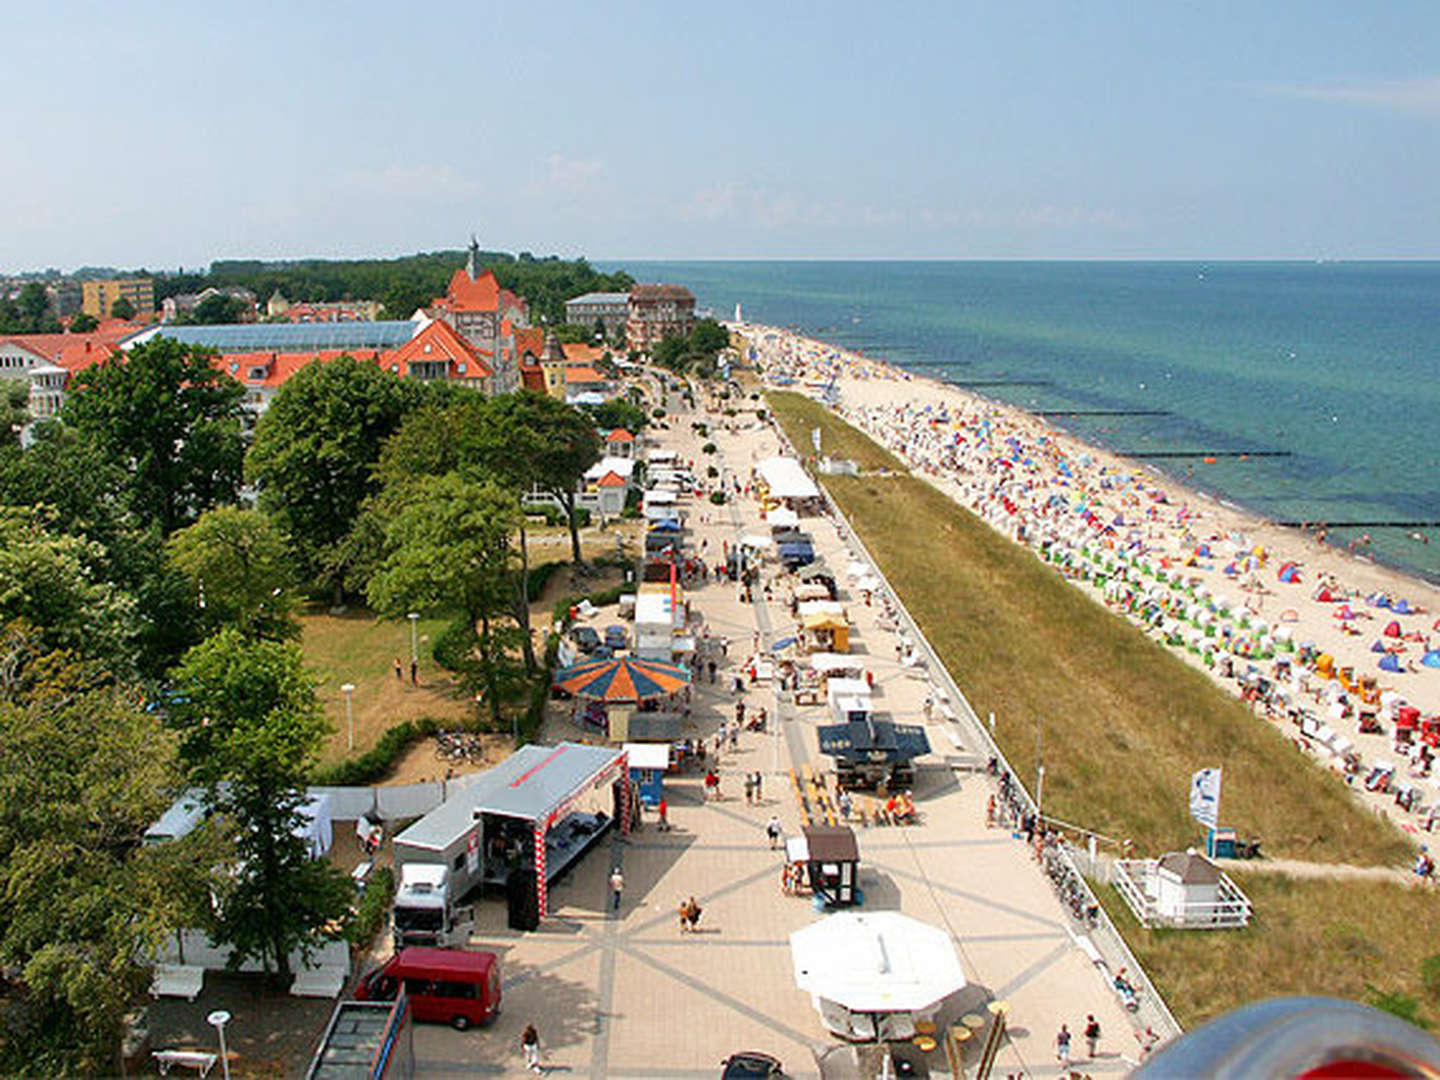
{"x": 1205, "y": 797}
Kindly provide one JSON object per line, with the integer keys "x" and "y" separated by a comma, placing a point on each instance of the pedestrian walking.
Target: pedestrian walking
{"x": 1092, "y": 1035}
{"x": 530, "y": 1046}
{"x": 772, "y": 830}
{"x": 735, "y": 736}
{"x": 664, "y": 811}
{"x": 399, "y": 673}
{"x": 757, "y": 787}
{"x": 749, "y": 788}
{"x": 712, "y": 672}
{"x": 617, "y": 886}
{"x": 414, "y": 673}
{"x": 1062, "y": 1047}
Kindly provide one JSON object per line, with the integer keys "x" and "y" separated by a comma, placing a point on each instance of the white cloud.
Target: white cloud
{"x": 1408, "y": 95}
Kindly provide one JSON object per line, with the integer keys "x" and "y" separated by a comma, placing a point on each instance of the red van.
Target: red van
{"x": 446, "y": 986}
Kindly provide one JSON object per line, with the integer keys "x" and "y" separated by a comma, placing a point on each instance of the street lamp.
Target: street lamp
{"x": 414, "y": 618}
{"x": 218, "y": 1019}
{"x": 349, "y": 689}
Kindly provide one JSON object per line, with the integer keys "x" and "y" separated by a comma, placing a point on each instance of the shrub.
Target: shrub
{"x": 376, "y": 762}
{"x": 374, "y": 905}
{"x": 718, "y": 498}
{"x": 658, "y": 414}
{"x": 540, "y": 577}
{"x": 1430, "y": 974}
{"x": 709, "y": 448}
{"x": 711, "y": 471}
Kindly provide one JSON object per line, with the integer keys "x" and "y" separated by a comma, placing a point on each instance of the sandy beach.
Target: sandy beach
{"x": 1298, "y": 627}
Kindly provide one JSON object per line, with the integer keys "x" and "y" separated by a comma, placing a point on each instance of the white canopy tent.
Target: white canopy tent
{"x": 875, "y": 962}
{"x": 786, "y": 479}
{"x": 782, "y": 517}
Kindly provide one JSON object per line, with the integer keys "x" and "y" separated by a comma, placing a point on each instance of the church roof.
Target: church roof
{"x": 473, "y": 294}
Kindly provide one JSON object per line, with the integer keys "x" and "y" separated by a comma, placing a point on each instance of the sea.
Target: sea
{"x": 1333, "y": 367}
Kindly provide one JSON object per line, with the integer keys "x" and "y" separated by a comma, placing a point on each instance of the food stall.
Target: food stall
{"x": 825, "y": 859}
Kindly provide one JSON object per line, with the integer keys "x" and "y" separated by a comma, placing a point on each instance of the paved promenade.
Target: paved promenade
{"x": 627, "y": 995}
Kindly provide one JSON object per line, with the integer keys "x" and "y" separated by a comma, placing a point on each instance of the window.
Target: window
{"x": 460, "y": 861}
{"x": 456, "y": 990}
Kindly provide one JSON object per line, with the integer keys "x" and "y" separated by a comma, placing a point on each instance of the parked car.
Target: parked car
{"x": 585, "y": 639}
{"x": 751, "y": 1065}
{"x": 615, "y": 636}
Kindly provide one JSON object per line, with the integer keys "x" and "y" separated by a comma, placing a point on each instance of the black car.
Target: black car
{"x": 585, "y": 638}
{"x": 751, "y": 1065}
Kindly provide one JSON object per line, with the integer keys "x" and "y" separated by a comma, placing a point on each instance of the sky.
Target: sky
{"x": 158, "y": 135}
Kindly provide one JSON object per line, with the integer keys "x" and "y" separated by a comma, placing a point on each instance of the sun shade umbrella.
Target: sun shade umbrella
{"x": 877, "y": 962}
{"x": 623, "y": 678}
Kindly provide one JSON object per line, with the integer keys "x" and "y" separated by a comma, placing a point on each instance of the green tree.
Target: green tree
{"x": 122, "y": 308}
{"x": 82, "y": 773}
{"x": 83, "y": 323}
{"x": 172, "y": 420}
{"x": 543, "y": 441}
{"x": 251, "y": 730}
{"x": 708, "y": 337}
{"x": 218, "y": 308}
{"x": 89, "y": 495}
{"x": 449, "y": 547}
{"x": 315, "y": 451}
{"x": 618, "y": 413}
{"x": 51, "y": 582}
{"x": 34, "y": 309}
{"x": 237, "y": 563}
{"x": 573, "y": 334}
{"x": 14, "y": 410}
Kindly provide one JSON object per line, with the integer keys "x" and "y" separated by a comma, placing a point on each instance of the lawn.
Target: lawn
{"x": 358, "y": 648}
{"x": 1122, "y": 723}
{"x": 802, "y": 415}
{"x": 1308, "y": 936}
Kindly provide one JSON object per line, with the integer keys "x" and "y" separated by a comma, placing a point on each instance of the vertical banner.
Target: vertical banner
{"x": 815, "y": 438}
{"x": 1205, "y": 797}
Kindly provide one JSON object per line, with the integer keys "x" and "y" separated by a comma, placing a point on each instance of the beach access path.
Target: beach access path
{"x": 628, "y": 995}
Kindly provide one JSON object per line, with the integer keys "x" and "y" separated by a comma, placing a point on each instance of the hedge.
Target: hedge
{"x": 376, "y": 762}
{"x": 374, "y": 905}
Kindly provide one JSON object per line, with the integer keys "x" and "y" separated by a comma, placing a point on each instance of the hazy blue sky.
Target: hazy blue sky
{"x": 174, "y": 134}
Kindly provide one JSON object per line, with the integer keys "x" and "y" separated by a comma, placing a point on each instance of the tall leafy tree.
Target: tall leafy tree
{"x": 315, "y": 451}
{"x": 82, "y": 773}
{"x": 448, "y": 546}
{"x": 251, "y": 730}
{"x": 534, "y": 438}
{"x": 51, "y": 582}
{"x": 238, "y": 567}
{"x": 172, "y": 421}
{"x": 122, "y": 309}
{"x": 89, "y": 495}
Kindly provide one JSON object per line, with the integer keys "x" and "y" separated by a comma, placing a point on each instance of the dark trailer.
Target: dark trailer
{"x": 871, "y": 752}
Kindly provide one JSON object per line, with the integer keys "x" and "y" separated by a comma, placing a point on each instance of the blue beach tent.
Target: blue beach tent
{"x": 1432, "y": 658}
{"x": 1379, "y": 646}
{"x": 1390, "y": 662}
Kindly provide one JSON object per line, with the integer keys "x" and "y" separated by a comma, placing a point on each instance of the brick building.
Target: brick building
{"x": 657, "y": 312}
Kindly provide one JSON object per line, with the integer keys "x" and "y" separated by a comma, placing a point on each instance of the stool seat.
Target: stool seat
{"x": 924, "y": 1027}
{"x": 925, "y": 1043}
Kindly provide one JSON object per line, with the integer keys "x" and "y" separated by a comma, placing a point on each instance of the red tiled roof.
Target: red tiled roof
{"x": 611, "y": 479}
{"x": 481, "y": 294}
{"x": 619, "y": 434}
{"x": 439, "y": 342}
{"x": 530, "y": 339}
{"x": 278, "y": 368}
{"x": 582, "y": 375}
{"x": 577, "y": 352}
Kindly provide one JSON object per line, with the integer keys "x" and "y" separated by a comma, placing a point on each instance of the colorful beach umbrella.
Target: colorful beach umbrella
{"x": 624, "y": 678}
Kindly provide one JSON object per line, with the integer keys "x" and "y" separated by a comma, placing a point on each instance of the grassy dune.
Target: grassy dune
{"x": 802, "y": 415}
{"x": 1308, "y": 936}
{"x": 1124, "y": 722}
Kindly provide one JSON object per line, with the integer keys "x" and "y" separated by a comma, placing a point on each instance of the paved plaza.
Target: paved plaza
{"x": 627, "y": 994}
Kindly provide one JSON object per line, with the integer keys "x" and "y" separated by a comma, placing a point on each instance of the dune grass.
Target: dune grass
{"x": 1122, "y": 723}
{"x": 1337, "y": 937}
{"x": 802, "y": 415}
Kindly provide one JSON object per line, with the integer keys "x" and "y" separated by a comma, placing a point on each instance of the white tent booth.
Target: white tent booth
{"x": 872, "y": 975}
{"x": 787, "y": 482}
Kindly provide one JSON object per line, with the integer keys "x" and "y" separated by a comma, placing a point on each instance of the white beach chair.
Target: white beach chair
{"x": 177, "y": 980}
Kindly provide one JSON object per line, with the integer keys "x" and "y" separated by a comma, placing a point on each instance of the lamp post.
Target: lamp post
{"x": 414, "y": 618}
{"x": 349, "y": 690}
{"x": 218, "y": 1019}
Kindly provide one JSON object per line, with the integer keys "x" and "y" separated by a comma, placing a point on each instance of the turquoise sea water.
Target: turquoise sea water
{"x": 1336, "y": 363}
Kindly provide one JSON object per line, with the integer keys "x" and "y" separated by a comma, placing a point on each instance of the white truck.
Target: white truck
{"x": 425, "y": 913}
